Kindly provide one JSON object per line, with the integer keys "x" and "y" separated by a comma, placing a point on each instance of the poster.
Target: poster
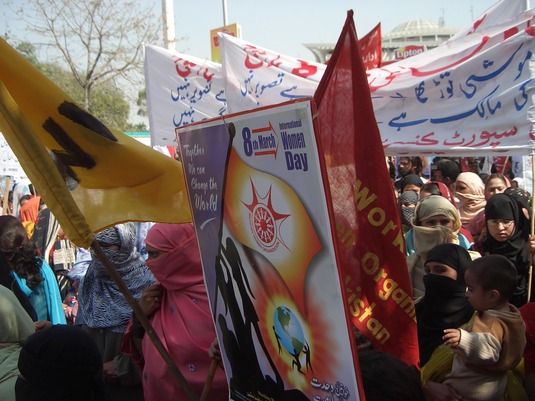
{"x": 9, "y": 164}
{"x": 266, "y": 239}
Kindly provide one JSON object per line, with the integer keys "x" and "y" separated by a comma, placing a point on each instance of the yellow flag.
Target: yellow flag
{"x": 90, "y": 176}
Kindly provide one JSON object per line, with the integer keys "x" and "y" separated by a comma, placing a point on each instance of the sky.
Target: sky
{"x": 284, "y": 25}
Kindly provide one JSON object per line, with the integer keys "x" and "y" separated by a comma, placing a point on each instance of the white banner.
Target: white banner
{"x": 256, "y": 77}
{"x": 503, "y": 10}
{"x": 469, "y": 97}
{"x": 472, "y": 96}
{"x": 181, "y": 89}
{"x": 9, "y": 164}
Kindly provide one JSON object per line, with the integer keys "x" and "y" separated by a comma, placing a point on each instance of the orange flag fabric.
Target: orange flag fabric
{"x": 370, "y": 240}
{"x": 90, "y": 176}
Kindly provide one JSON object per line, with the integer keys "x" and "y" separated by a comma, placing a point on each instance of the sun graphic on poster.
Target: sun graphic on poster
{"x": 265, "y": 221}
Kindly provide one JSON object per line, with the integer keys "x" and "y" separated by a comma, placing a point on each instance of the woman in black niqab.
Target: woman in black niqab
{"x": 444, "y": 304}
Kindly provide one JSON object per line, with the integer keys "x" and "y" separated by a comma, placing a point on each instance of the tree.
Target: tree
{"x": 108, "y": 104}
{"x": 99, "y": 40}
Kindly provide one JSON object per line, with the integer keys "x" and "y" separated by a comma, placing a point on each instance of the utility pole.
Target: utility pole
{"x": 168, "y": 15}
{"x": 225, "y": 18}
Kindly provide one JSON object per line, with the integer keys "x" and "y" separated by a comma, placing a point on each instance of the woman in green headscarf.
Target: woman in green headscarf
{"x": 16, "y": 325}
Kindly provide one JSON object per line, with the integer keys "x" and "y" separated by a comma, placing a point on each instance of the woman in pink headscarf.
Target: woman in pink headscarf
{"x": 470, "y": 190}
{"x": 177, "y": 307}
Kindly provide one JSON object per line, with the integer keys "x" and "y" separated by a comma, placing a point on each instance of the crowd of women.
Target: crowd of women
{"x": 95, "y": 348}
{"x": 449, "y": 220}
{"x": 103, "y": 352}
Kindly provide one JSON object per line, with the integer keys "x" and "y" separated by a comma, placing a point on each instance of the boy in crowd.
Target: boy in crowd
{"x": 493, "y": 341}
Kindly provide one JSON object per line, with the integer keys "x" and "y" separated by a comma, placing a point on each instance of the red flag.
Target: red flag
{"x": 370, "y": 241}
{"x": 502, "y": 164}
{"x": 370, "y": 47}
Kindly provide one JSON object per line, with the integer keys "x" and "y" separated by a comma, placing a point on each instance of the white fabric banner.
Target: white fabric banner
{"x": 469, "y": 97}
{"x": 181, "y": 89}
{"x": 9, "y": 164}
{"x": 503, "y": 10}
{"x": 256, "y": 77}
{"x": 472, "y": 96}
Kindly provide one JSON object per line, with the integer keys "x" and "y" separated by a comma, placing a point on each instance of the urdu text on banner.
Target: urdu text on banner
{"x": 471, "y": 96}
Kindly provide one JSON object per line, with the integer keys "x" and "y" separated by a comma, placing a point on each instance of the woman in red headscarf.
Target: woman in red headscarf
{"x": 177, "y": 307}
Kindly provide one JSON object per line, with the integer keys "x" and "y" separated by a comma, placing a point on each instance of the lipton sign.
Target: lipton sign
{"x": 408, "y": 51}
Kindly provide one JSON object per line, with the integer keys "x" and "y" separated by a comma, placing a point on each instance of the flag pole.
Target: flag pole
{"x": 21, "y": 138}
{"x": 209, "y": 380}
{"x": 149, "y": 330}
{"x": 5, "y": 206}
{"x": 532, "y": 228}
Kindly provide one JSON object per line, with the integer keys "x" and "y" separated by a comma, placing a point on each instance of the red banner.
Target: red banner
{"x": 370, "y": 240}
{"x": 370, "y": 47}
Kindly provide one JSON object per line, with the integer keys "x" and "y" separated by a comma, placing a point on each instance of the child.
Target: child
{"x": 494, "y": 340}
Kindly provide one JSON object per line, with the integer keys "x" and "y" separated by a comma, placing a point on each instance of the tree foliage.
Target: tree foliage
{"x": 108, "y": 104}
{"x": 99, "y": 41}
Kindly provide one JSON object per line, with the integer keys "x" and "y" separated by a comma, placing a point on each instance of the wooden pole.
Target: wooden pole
{"x": 5, "y": 207}
{"x": 149, "y": 330}
{"x": 209, "y": 379}
{"x": 532, "y": 230}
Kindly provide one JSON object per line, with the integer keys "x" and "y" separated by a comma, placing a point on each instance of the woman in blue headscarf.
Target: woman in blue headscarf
{"x": 103, "y": 310}
{"x": 29, "y": 277}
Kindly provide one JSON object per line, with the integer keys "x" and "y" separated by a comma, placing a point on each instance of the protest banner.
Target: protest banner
{"x": 256, "y": 186}
{"x": 503, "y": 10}
{"x": 370, "y": 239}
{"x": 470, "y": 96}
{"x": 9, "y": 164}
{"x": 181, "y": 89}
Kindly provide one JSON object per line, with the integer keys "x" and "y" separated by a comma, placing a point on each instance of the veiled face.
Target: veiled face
{"x": 438, "y": 220}
{"x": 462, "y": 188}
{"x": 153, "y": 253}
{"x": 440, "y": 269}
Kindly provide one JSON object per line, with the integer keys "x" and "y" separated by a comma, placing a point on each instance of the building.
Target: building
{"x": 405, "y": 40}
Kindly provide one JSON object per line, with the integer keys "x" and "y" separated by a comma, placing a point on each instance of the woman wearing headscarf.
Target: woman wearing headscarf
{"x": 470, "y": 190}
{"x": 444, "y": 304}
{"x": 411, "y": 182}
{"x": 407, "y": 203}
{"x": 29, "y": 277}
{"x": 508, "y": 234}
{"x": 15, "y": 327}
{"x": 60, "y": 363}
{"x": 28, "y": 214}
{"x": 103, "y": 310}
{"x": 436, "y": 221}
{"x": 179, "y": 312}
{"x": 495, "y": 184}
{"x": 439, "y": 188}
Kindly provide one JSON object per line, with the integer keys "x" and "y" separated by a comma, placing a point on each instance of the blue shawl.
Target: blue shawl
{"x": 102, "y": 304}
{"x": 54, "y": 305}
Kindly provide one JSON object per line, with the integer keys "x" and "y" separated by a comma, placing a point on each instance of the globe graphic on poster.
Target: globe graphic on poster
{"x": 288, "y": 330}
